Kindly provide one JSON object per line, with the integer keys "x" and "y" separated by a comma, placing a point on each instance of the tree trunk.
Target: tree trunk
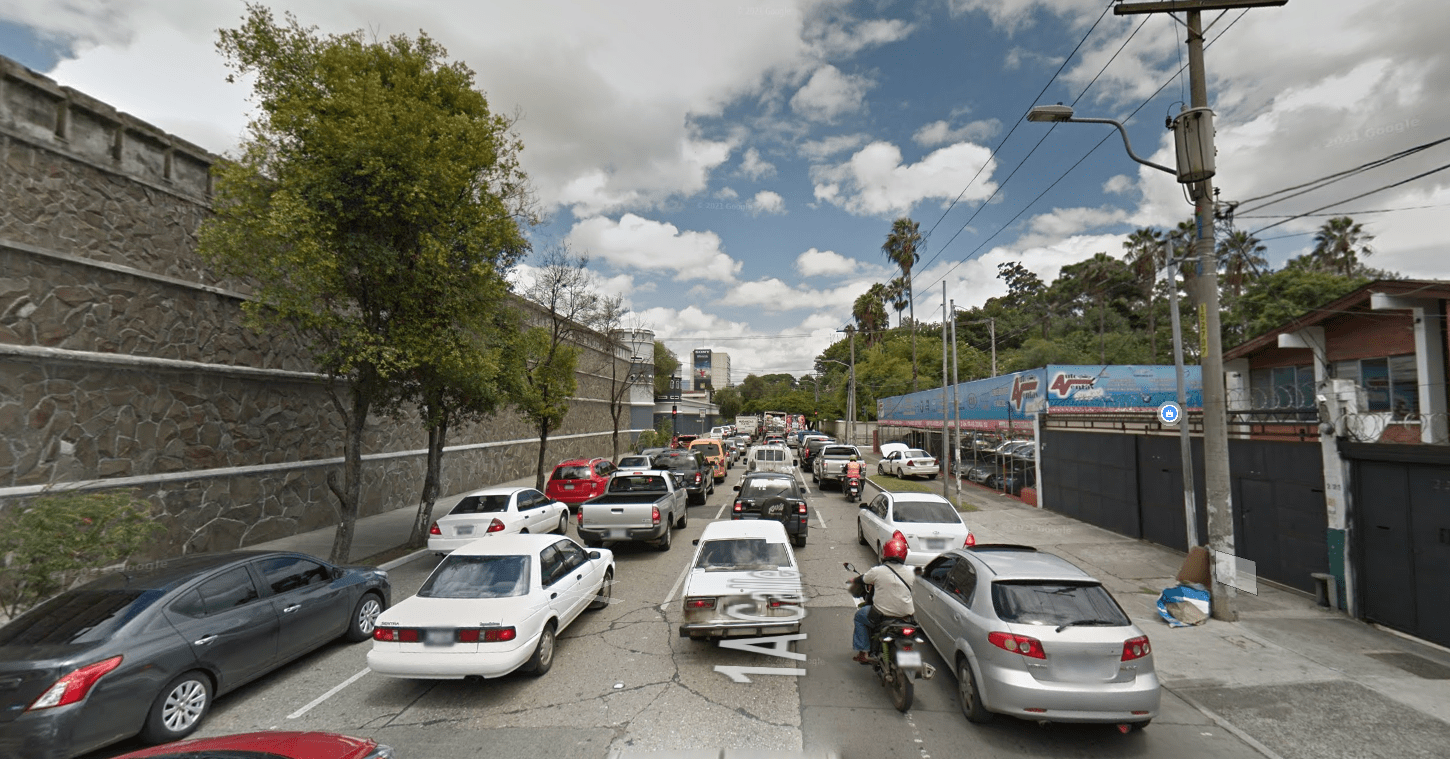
{"x": 543, "y": 455}
{"x": 437, "y": 437}
{"x": 348, "y": 494}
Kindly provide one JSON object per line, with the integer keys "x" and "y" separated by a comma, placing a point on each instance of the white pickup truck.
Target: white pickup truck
{"x": 643, "y": 505}
{"x": 830, "y": 464}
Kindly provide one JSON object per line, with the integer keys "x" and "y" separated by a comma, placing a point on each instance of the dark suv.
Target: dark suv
{"x": 692, "y": 466}
{"x": 811, "y": 450}
{"x": 771, "y": 495}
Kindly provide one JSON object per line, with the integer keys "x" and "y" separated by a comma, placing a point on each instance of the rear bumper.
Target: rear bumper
{"x": 43, "y": 735}
{"x": 449, "y": 545}
{"x": 430, "y": 666}
{"x": 920, "y": 471}
{"x": 1012, "y": 691}
{"x": 736, "y": 629}
{"x": 625, "y": 533}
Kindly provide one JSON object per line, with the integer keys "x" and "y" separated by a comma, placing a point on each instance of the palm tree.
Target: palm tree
{"x": 1145, "y": 253}
{"x": 870, "y": 312}
{"x": 1240, "y": 255}
{"x": 902, "y": 248}
{"x": 896, "y": 295}
{"x": 1340, "y": 243}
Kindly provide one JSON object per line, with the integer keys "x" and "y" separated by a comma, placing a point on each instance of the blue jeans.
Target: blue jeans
{"x": 861, "y": 636}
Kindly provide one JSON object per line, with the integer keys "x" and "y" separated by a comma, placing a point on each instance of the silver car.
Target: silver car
{"x": 1033, "y": 636}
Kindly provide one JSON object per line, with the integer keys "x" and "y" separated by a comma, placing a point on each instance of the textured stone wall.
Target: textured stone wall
{"x": 122, "y": 358}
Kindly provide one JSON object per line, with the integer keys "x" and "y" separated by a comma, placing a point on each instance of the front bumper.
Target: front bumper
{"x": 423, "y": 665}
{"x": 1013, "y": 691}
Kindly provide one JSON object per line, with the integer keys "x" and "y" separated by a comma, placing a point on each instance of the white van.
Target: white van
{"x": 770, "y": 458}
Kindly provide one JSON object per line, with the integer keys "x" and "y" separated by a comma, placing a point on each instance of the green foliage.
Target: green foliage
{"x": 666, "y": 362}
{"x": 1277, "y": 297}
{"x": 58, "y": 541}
{"x": 543, "y": 389}
{"x": 730, "y": 403}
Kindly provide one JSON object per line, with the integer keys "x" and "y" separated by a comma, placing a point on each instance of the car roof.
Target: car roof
{"x": 507, "y": 545}
{"x": 749, "y": 528}
{"x": 770, "y": 475}
{"x": 1020, "y": 563}
{"x": 501, "y": 490}
{"x": 898, "y": 496}
{"x": 168, "y": 573}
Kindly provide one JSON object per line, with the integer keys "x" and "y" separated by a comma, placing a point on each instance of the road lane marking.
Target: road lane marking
{"x": 335, "y": 690}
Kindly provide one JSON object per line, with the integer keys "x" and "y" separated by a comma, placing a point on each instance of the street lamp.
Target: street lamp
{"x": 1057, "y": 114}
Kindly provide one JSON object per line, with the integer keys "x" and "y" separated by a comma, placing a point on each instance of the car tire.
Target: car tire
{"x": 364, "y": 617}
{"x": 799, "y": 540}
{"x": 538, "y": 665}
{"x": 665, "y": 542}
{"x": 684, "y": 518}
{"x": 179, "y": 708}
{"x": 601, "y": 598}
{"x": 563, "y": 524}
{"x": 860, "y": 534}
{"x": 970, "y": 695}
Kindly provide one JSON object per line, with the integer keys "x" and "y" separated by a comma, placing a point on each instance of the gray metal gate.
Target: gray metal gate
{"x": 1092, "y": 477}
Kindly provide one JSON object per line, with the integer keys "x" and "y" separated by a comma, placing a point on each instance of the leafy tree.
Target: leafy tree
{"x": 1240, "y": 256}
{"x": 373, "y": 181}
{"x": 609, "y": 318}
{"x": 730, "y": 403}
{"x": 1340, "y": 244}
{"x": 666, "y": 363}
{"x": 1276, "y": 297}
{"x": 903, "y": 248}
{"x": 869, "y": 311}
{"x": 897, "y": 297}
{"x": 1144, "y": 256}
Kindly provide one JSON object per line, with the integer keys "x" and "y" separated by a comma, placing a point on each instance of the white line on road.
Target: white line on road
{"x": 335, "y": 690}
{"x": 676, "y": 587}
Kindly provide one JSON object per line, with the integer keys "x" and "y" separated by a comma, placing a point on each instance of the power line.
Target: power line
{"x": 1339, "y": 213}
{"x": 1389, "y": 186}
{"x": 1339, "y": 176}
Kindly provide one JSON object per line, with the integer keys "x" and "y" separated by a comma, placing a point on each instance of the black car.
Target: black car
{"x": 147, "y": 651}
{"x": 692, "y": 466}
{"x": 811, "y": 449}
{"x": 771, "y": 495}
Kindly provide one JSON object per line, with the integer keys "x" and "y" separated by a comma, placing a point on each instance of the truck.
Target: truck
{"x": 640, "y": 505}
{"x": 748, "y": 424}
{"x": 829, "y": 465}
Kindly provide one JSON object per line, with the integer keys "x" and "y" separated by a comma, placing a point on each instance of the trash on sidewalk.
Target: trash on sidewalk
{"x": 1184, "y": 605}
{"x": 1195, "y": 568}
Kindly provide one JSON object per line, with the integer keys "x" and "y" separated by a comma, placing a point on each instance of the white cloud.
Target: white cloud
{"x": 639, "y": 243}
{"x": 774, "y": 294}
{"x": 725, "y": 193}
{"x": 751, "y": 351}
{"x": 1012, "y": 15}
{"x": 828, "y": 263}
{"x": 836, "y": 41}
{"x": 819, "y": 150}
{"x": 1017, "y": 56}
{"x": 1118, "y": 184}
{"x": 754, "y": 167}
{"x": 766, "y": 201}
{"x": 941, "y": 132}
{"x": 875, "y": 182}
{"x": 1047, "y": 228}
{"x": 830, "y": 94}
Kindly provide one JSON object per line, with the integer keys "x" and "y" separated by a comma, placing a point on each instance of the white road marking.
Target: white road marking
{"x": 683, "y": 574}
{"x": 335, "y": 690}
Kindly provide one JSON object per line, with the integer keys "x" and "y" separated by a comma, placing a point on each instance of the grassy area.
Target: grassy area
{"x": 887, "y": 482}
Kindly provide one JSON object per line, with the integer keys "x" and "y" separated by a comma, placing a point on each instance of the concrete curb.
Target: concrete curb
{"x": 395, "y": 563}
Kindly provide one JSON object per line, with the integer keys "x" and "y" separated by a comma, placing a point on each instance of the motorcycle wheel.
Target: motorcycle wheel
{"x": 901, "y": 690}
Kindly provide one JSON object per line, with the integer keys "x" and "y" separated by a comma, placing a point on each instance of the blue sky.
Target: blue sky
{"x": 733, "y": 168}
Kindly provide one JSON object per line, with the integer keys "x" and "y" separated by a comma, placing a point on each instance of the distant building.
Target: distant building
{"x": 711, "y": 370}
{"x": 720, "y": 370}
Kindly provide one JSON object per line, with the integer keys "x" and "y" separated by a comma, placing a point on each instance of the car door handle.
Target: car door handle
{"x": 292, "y": 608}
{"x": 553, "y": 596}
{"x": 205, "y": 640}
{"x": 579, "y": 577}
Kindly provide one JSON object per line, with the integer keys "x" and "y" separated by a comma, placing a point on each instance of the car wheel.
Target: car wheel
{"x": 364, "y": 618}
{"x": 860, "y": 535}
{"x": 563, "y": 524}
{"x": 601, "y": 599}
{"x": 800, "y": 540}
{"x": 178, "y": 709}
{"x": 684, "y": 518}
{"x": 543, "y": 657}
{"x": 664, "y": 543}
{"x": 970, "y": 696}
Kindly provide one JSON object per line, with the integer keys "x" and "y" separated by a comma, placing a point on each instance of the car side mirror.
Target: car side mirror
{"x": 596, "y": 554}
{"x": 337, "y": 573}
{"x": 737, "y": 487}
{"x": 918, "y": 571}
{"x": 695, "y": 542}
{"x": 861, "y": 505}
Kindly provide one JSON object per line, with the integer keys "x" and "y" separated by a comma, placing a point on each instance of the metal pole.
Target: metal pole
{"x": 956, "y": 411}
{"x": 1218, "y": 484}
{"x": 945, "y": 417}
{"x": 851, "y": 418}
{"x": 992, "y": 324}
{"x": 1190, "y": 507}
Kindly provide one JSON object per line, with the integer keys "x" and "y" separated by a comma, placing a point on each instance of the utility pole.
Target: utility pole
{"x": 1185, "y": 441}
{"x": 956, "y": 412}
{"x": 945, "y": 417}
{"x": 1217, "y": 483}
{"x": 851, "y": 420}
{"x": 992, "y": 325}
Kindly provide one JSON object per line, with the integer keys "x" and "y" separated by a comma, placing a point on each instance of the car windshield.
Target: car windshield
{"x": 571, "y": 473}
{"x": 740, "y": 554}
{"x": 709, "y": 449}
{"x": 1056, "y": 603}
{"x": 481, "y": 504}
{"x": 638, "y": 484}
{"x": 77, "y": 616}
{"x": 931, "y": 512}
{"x": 478, "y": 577}
{"x": 916, "y": 453}
{"x": 839, "y": 450}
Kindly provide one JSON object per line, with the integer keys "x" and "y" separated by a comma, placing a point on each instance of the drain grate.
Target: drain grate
{"x": 1418, "y": 666}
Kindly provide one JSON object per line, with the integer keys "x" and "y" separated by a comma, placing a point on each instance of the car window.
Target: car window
{"x": 762, "y": 487}
{"x": 287, "y": 573}
{"x": 741, "y": 554}
{"x": 604, "y": 468}
{"x": 571, "y": 473}
{"x": 478, "y": 577}
{"x": 638, "y": 483}
{"x": 916, "y": 453}
{"x": 76, "y": 617}
{"x": 1055, "y": 603}
{"x": 839, "y": 450}
{"x": 530, "y": 499}
{"x": 708, "y": 450}
{"x": 573, "y": 556}
{"x": 190, "y": 604}
{"x": 936, "y": 571}
{"x": 962, "y": 582}
{"x": 481, "y": 504}
{"x": 228, "y": 590}
{"x": 928, "y": 512}
{"x": 551, "y": 566}
{"x": 634, "y": 462}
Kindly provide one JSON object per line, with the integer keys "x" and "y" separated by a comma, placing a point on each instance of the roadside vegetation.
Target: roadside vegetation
{"x": 891, "y": 484}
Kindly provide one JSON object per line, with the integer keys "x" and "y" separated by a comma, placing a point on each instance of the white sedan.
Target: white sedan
{"x": 497, "y": 511}
{"x": 912, "y": 462}
{"x": 743, "y": 581}
{"x": 492, "y": 607}
{"x": 929, "y": 523}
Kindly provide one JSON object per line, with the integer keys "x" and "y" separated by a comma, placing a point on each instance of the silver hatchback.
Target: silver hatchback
{"x": 1030, "y": 635}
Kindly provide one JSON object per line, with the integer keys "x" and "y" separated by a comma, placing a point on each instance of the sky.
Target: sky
{"x": 733, "y": 168}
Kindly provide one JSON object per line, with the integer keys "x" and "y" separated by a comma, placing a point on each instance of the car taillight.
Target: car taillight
{"x": 908, "y": 631}
{"x": 1136, "y": 648}
{"x": 970, "y": 541}
{"x": 738, "y": 507}
{"x": 396, "y": 634}
{"x": 801, "y": 507}
{"x": 1017, "y": 644}
{"x": 74, "y": 686}
{"x": 495, "y": 525}
{"x": 776, "y": 603}
{"x": 581, "y": 517}
{"x": 655, "y": 514}
{"x": 487, "y": 635}
{"x": 434, "y": 530}
{"x": 699, "y": 603}
{"x": 697, "y": 477}
{"x": 909, "y": 462}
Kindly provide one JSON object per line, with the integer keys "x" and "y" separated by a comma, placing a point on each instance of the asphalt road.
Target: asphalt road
{"x": 624, "y": 680}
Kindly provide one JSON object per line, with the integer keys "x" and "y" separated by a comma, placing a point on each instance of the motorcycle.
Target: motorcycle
{"x": 895, "y": 658}
{"x": 853, "y": 487}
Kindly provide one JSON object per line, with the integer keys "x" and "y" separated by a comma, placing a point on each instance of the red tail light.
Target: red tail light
{"x": 495, "y": 525}
{"x": 434, "y": 530}
{"x": 1017, "y": 644}
{"x": 487, "y": 635}
{"x": 655, "y": 514}
{"x": 1136, "y": 648}
{"x": 898, "y": 535}
{"x": 909, "y": 462}
{"x": 74, "y": 686}
{"x": 396, "y": 634}
{"x": 581, "y": 517}
{"x": 776, "y": 603}
{"x": 908, "y": 631}
{"x": 970, "y": 541}
{"x": 699, "y": 603}
{"x": 738, "y": 507}
{"x": 802, "y": 507}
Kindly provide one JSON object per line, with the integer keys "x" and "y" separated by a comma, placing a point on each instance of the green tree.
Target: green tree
{"x": 1340, "y": 244}
{"x": 373, "y": 177}
{"x": 869, "y": 311}
{"x": 666, "y": 362}
{"x": 903, "y": 248}
{"x": 1144, "y": 256}
{"x": 730, "y": 403}
{"x": 1274, "y": 298}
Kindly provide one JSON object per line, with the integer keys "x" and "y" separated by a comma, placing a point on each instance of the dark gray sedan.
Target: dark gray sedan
{"x": 147, "y": 651}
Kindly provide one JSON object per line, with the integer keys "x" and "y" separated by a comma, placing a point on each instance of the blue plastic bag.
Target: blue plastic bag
{"x": 1177, "y": 605}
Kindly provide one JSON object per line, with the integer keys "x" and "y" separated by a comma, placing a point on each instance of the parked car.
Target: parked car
{"x": 271, "y": 744}
{"x": 912, "y": 462}
{"x": 1033, "y": 636}
{"x": 767, "y": 495}
{"x": 828, "y": 466}
{"x": 634, "y": 462}
{"x": 639, "y": 505}
{"x": 497, "y": 511}
{"x": 743, "y": 581}
{"x": 148, "y": 650}
{"x": 928, "y": 522}
{"x": 769, "y": 458}
{"x": 714, "y": 452}
{"x": 888, "y": 448}
{"x": 491, "y": 608}
{"x": 576, "y": 481}
{"x": 691, "y": 465}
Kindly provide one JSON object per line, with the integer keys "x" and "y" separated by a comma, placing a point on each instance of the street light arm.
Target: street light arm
{"x": 1126, "y": 144}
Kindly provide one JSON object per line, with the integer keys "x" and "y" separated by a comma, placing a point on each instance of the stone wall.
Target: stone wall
{"x": 123, "y": 362}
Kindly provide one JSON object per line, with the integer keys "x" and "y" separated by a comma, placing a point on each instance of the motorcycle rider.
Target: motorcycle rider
{"x": 853, "y": 468}
{"x": 891, "y": 598}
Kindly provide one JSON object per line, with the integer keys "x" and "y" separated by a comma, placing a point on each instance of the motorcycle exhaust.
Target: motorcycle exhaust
{"x": 926, "y": 672}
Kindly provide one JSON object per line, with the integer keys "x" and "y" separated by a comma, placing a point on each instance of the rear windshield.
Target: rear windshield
{"x": 638, "y": 484}
{"x": 481, "y": 504}
{"x": 571, "y": 473}
{"x": 916, "y": 453}
{"x": 1055, "y": 603}
{"x": 770, "y": 454}
{"x": 709, "y": 449}
{"x": 762, "y": 487}
{"x": 741, "y": 553}
{"x": 926, "y": 512}
{"x": 478, "y": 577}
{"x": 79, "y": 616}
{"x": 677, "y": 463}
{"x": 839, "y": 450}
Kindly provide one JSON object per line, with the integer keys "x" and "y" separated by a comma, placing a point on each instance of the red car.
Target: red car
{"x": 574, "y": 482}
{"x": 269, "y": 745}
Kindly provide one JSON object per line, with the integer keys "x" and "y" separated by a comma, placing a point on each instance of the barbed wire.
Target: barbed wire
{"x": 1387, "y": 427}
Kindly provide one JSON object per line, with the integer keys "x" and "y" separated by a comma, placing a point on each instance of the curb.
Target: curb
{"x": 395, "y": 563}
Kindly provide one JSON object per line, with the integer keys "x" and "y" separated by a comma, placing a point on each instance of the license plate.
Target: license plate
{"x": 619, "y": 534}
{"x": 908, "y": 660}
{"x": 437, "y": 637}
{"x": 568, "y": 487}
{"x": 935, "y": 544}
{"x": 466, "y": 529}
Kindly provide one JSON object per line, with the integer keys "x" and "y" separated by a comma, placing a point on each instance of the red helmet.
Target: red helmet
{"x": 894, "y": 550}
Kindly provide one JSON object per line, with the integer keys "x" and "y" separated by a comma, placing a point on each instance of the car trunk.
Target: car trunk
{"x": 26, "y": 672}
{"x": 466, "y": 525}
{"x": 1080, "y": 655}
{"x": 438, "y": 621}
{"x": 738, "y": 594}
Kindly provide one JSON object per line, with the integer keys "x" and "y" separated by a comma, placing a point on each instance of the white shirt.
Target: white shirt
{"x": 891, "y": 596}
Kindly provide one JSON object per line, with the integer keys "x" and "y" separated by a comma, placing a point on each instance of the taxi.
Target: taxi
{"x": 714, "y": 452}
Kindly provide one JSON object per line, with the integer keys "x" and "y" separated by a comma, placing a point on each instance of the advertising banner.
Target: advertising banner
{"x": 702, "y": 370}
